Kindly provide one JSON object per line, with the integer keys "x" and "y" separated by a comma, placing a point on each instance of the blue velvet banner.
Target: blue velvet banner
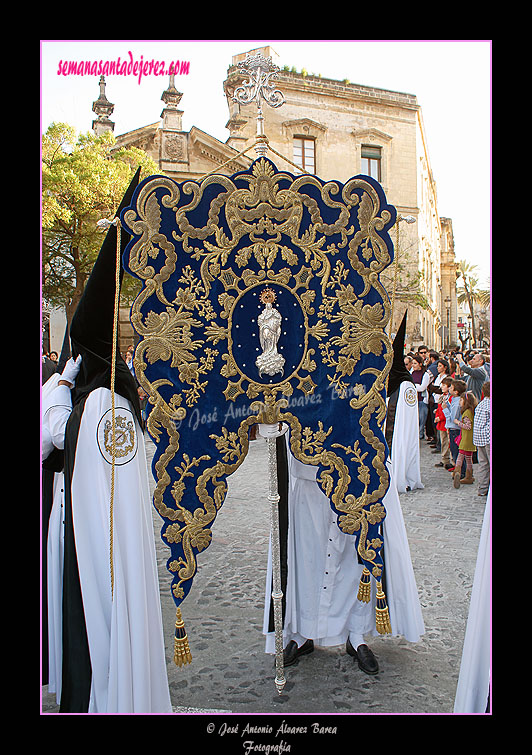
{"x": 262, "y": 302}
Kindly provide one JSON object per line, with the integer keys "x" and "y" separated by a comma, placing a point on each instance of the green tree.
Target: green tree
{"x": 471, "y": 293}
{"x": 84, "y": 178}
{"x": 404, "y": 278}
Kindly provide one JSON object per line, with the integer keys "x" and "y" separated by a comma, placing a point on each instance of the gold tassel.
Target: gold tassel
{"x": 182, "y": 652}
{"x": 364, "y": 587}
{"x": 382, "y": 615}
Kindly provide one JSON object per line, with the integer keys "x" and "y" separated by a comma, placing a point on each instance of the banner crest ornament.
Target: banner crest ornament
{"x": 258, "y": 87}
{"x": 261, "y": 303}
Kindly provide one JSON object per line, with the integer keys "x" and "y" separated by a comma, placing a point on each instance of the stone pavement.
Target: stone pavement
{"x": 223, "y": 613}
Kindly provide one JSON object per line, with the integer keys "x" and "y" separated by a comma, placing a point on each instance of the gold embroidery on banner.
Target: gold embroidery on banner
{"x": 195, "y": 531}
{"x": 196, "y": 337}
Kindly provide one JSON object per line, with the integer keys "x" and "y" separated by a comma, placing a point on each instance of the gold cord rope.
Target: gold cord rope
{"x": 259, "y": 140}
{"x": 232, "y": 159}
{"x": 396, "y": 269}
{"x": 286, "y": 159}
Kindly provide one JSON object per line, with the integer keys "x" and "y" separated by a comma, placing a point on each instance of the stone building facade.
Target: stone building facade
{"x": 182, "y": 154}
{"x": 337, "y": 129}
{"x": 334, "y": 129}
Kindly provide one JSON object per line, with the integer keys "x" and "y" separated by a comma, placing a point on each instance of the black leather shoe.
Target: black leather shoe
{"x": 366, "y": 660}
{"x": 291, "y": 652}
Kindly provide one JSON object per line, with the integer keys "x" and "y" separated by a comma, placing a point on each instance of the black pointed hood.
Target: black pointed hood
{"x": 91, "y": 329}
{"x": 398, "y": 374}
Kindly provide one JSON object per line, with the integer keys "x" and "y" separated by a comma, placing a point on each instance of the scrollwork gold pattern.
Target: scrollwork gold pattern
{"x": 205, "y": 251}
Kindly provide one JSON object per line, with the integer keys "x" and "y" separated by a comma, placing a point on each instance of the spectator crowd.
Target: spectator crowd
{"x": 454, "y": 408}
{"x": 454, "y": 411}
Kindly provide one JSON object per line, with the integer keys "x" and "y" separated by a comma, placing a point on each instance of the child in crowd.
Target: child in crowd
{"x": 452, "y": 413}
{"x": 421, "y": 378}
{"x": 481, "y": 439}
{"x": 466, "y": 447}
{"x": 443, "y": 400}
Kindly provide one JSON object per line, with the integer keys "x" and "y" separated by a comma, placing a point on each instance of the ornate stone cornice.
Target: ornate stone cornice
{"x": 372, "y": 134}
{"x": 303, "y": 125}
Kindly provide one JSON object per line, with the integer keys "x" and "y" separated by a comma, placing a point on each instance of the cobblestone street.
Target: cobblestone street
{"x": 230, "y": 672}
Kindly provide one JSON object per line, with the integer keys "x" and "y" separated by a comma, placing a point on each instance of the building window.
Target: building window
{"x": 304, "y": 153}
{"x": 371, "y": 162}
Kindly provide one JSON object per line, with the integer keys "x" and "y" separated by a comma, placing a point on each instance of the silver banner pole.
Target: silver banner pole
{"x": 271, "y": 432}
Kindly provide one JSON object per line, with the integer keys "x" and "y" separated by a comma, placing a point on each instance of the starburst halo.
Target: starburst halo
{"x": 267, "y": 296}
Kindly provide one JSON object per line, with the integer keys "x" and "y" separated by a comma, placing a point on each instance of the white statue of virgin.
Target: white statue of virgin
{"x": 270, "y": 362}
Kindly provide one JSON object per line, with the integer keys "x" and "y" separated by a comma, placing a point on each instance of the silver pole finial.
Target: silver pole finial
{"x": 258, "y": 87}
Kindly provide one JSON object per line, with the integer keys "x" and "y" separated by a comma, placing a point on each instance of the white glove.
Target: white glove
{"x": 71, "y": 370}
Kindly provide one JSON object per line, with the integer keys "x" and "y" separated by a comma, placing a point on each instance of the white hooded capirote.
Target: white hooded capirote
{"x": 404, "y": 452}
{"x": 112, "y": 647}
{"x": 324, "y": 574}
{"x": 122, "y": 616}
{"x": 402, "y": 418}
{"x": 123, "y": 620}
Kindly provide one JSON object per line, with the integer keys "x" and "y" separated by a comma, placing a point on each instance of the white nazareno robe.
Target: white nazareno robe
{"x": 473, "y": 686}
{"x": 405, "y": 441}
{"x": 124, "y": 625}
{"x": 324, "y": 573}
